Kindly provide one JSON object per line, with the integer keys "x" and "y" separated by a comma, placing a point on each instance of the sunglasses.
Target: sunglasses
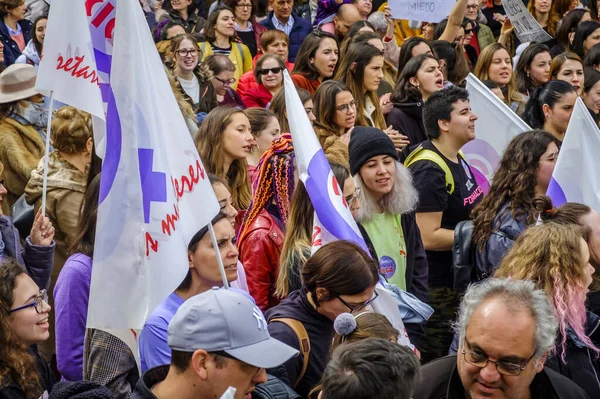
{"x": 266, "y": 71}
{"x": 468, "y": 31}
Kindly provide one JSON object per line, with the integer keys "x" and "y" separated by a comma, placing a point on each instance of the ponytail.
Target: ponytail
{"x": 568, "y": 213}
{"x": 549, "y": 94}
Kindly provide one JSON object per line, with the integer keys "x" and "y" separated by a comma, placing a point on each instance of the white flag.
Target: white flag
{"x": 575, "y": 177}
{"x": 68, "y": 68}
{"x": 495, "y": 127}
{"x": 154, "y": 192}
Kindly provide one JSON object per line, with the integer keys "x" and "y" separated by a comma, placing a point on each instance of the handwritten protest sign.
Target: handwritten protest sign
{"x": 421, "y": 10}
{"x": 527, "y": 28}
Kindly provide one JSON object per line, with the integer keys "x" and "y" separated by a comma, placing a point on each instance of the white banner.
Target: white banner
{"x": 421, "y": 10}
{"x": 527, "y": 28}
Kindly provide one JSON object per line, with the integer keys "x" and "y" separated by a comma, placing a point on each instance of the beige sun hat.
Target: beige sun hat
{"x": 17, "y": 82}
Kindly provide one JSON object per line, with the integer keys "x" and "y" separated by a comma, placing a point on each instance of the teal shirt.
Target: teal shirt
{"x": 387, "y": 236}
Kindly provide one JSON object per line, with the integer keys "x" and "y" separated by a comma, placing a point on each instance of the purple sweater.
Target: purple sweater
{"x": 71, "y": 295}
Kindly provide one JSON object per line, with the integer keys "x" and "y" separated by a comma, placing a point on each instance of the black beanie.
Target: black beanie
{"x": 366, "y": 143}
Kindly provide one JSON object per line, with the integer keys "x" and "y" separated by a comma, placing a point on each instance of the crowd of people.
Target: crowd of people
{"x": 387, "y": 102}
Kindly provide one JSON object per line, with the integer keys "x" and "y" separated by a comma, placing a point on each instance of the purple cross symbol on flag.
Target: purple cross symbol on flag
{"x": 332, "y": 219}
{"x": 155, "y": 194}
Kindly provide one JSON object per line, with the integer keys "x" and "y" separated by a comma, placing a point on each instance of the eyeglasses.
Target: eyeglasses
{"x": 185, "y": 53}
{"x": 358, "y": 307}
{"x": 243, "y": 6}
{"x": 226, "y": 82}
{"x": 468, "y": 31}
{"x": 503, "y": 367}
{"x": 267, "y": 70}
{"x": 347, "y": 108}
{"x": 353, "y": 197}
{"x": 38, "y": 303}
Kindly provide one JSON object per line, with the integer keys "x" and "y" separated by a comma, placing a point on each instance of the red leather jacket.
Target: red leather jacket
{"x": 259, "y": 252}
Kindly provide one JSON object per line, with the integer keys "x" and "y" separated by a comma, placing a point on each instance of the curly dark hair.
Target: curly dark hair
{"x": 16, "y": 363}
{"x": 514, "y": 181}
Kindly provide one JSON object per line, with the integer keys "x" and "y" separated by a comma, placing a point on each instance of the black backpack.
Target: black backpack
{"x": 274, "y": 388}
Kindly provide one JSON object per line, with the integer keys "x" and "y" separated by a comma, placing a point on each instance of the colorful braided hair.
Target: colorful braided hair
{"x": 274, "y": 181}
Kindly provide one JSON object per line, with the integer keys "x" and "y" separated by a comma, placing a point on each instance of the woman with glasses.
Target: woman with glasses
{"x": 24, "y": 313}
{"x": 262, "y": 231}
{"x": 556, "y": 257}
{"x": 192, "y": 76}
{"x": 508, "y": 208}
{"x": 246, "y": 26}
{"x": 223, "y": 72}
{"x": 221, "y": 39}
{"x": 297, "y": 243}
{"x": 339, "y": 278}
{"x": 386, "y": 216}
{"x": 269, "y": 76}
{"x": 335, "y": 113}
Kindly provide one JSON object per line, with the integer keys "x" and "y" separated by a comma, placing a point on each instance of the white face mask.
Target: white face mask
{"x": 34, "y": 113}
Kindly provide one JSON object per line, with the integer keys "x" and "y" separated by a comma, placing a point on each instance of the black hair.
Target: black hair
{"x": 406, "y": 92}
{"x": 162, "y": 29}
{"x": 371, "y": 368}
{"x": 439, "y": 106}
{"x": 592, "y": 58}
{"x": 550, "y": 94}
{"x": 584, "y": 30}
{"x": 490, "y": 84}
{"x": 524, "y": 82}
{"x": 569, "y": 25}
{"x": 440, "y": 28}
{"x": 453, "y": 56}
{"x": 406, "y": 50}
{"x": 592, "y": 77}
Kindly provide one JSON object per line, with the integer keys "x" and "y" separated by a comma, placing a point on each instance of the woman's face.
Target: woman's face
{"x": 560, "y": 114}
{"x": 364, "y": 7}
{"x": 271, "y": 74}
{"x": 308, "y": 108}
{"x": 589, "y": 41}
{"x": 429, "y": 78}
{"x": 469, "y": 31}
{"x": 592, "y": 222}
{"x": 378, "y": 175}
{"x": 345, "y": 110}
{"x": 572, "y": 72}
{"x": 588, "y": 270}
{"x": 334, "y": 307}
{"x": 29, "y": 325}
{"x": 542, "y": 6}
{"x": 326, "y": 58}
{"x": 40, "y": 30}
{"x": 421, "y": 48}
{"x": 18, "y": 13}
{"x": 546, "y": 166}
{"x": 203, "y": 260}
{"x": 373, "y": 73}
{"x": 500, "y": 70}
{"x": 187, "y": 56}
{"x": 592, "y": 98}
{"x": 243, "y": 9}
{"x": 428, "y": 31}
{"x": 225, "y": 24}
{"x": 351, "y": 195}
{"x": 175, "y": 31}
{"x": 279, "y": 47}
{"x": 237, "y": 140}
{"x": 222, "y": 82}
{"x": 225, "y": 201}
{"x": 539, "y": 69}
{"x": 265, "y": 137}
{"x": 180, "y": 5}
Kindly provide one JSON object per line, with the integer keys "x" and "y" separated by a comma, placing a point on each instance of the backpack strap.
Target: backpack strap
{"x": 423, "y": 154}
{"x": 303, "y": 341}
{"x": 241, "y": 50}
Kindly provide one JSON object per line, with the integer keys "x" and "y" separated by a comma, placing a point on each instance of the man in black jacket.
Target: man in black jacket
{"x": 507, "y": 329}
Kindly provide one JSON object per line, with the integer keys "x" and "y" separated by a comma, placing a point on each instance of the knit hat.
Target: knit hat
{"x": 366, "y": 143}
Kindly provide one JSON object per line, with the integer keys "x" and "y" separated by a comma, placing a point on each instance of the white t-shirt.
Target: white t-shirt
{"x": 191, "y": 88}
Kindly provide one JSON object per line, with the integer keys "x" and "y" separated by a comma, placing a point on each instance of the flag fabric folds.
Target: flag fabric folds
{"x": 495, "y": 127}
{"x": 333, "y": 220}
{"x": 155, "y": 194}
{"x": 68, "y": 67}
{"x": 575, "y": 177}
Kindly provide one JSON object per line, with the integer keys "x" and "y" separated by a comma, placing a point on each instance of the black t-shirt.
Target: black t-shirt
{"x": 11, "y": 390}
{"x": 430, "y": 181}
{"x": 495, "y": 26}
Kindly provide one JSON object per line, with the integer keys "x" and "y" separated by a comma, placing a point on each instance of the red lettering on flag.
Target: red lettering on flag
{"x": 316, "y": 241}
{"x": 102, "y": 15}
{"x": 195, "y": 173}
{"x": 168, "y": 223}
{"x": 150, "y": 244}
{"x": 76, "y": 69}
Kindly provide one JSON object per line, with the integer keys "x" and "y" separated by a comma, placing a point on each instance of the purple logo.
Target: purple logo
{"x": 483, "y": 160}
{"x": 387, "y": 266}
{"x": 556, "y": 192}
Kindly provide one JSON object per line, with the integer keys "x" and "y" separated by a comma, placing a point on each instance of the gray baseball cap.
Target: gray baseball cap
{"x": 225, "y": 320}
